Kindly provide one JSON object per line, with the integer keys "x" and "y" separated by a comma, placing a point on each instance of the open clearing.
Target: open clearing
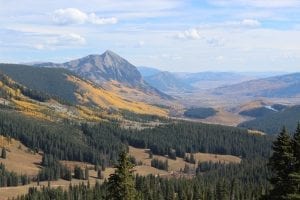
{"x": 178, "y": 164}
{"x": 19, "y": 159}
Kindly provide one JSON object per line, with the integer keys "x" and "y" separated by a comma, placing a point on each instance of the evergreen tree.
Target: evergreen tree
{"x": 281, "y": 163}
{"x": 3, "y": 153}
{"x": 100, "y": 174}
{"x": 296, "y": 147}
{"x": 221, "y": 193}
{"x": 86, "y": 173}
{"x": 294, "y": 177}
{"x": 121, "y": 185}
{"x": 78, "y": 173}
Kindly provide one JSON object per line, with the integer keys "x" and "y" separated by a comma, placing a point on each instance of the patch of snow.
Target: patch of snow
{"x": 271, "y": 108}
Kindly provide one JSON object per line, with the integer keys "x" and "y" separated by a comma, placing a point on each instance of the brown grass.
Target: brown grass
{"x": 252, "y": 104}
{"x": 179, "y": 163}
{"x": 216, "y": 158}
{"x": 224, "y": 117}
{"x": 255, "y": 132}
{"x": 19, "y": 159}
{"x": 9, "y": 192}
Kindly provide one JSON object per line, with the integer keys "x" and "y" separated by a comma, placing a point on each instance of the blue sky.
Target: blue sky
{"x": 195, "y": 35}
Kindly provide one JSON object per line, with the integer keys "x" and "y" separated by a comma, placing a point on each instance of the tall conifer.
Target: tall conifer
{"x": 121, "y": 185}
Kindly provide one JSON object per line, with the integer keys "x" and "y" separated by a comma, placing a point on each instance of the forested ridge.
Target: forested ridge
{"x": 192, "y": 137}
{"x": 272, "y": 123}
{"x": 52, "y": 81}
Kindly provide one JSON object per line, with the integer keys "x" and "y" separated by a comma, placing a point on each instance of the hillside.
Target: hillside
{"x": 106, "y": 68}
{"x": 167, "y": 82}
{"x": 263, "y": 111}
{"x": 273, "y": 87}
{"x": 68, "y": 87}
{"x": 51, "y": 81}
{"x": 272, "y": 123}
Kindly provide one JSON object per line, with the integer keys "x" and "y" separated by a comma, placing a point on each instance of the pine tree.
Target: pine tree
{"x": 296, "y": 147}
{"x": 78, "y": 173}
{"x": 3, "y": 153}
{"x": 86, "y": 173}
{"x": 294, "y": 177}
{"x": 281, "y": 163}
{"x": 121, "y": 185}
{"x": 221, "y": 193}
{"x": 100, "y": 174}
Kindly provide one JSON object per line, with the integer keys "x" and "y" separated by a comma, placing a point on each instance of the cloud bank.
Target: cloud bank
{"x": 70, "y": 16}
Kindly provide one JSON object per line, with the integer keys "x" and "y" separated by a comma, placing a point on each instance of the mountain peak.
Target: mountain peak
{"x": 106, "y": 67}
{"x": 110, "y": 54}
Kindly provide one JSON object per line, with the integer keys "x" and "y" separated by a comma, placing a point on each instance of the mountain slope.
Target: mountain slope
{"x": 69, "y": 87}
{"x": 105, "y": 68}
{"x": 272, "y": 123}
{"x": 148, "y": 71}
{"x": 167, "y": 82}
{"x": 277, "y": 86}
{"x": 51, "y": 81}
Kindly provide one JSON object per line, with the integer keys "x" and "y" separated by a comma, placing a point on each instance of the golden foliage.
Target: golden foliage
{"x": 88, "y": 93}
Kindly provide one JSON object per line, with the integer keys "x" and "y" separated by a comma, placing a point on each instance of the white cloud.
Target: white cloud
{"x": 140, "y": 44}
{"x": 220, "y": 58}
{"x": 197, "y": 33}
{"x": 59, "y": 41}
{"x": 192, "y": 34}
{"x": 250, "y": 22}
{"x": 71, "y": 39}
{"x": 39, "y": 46}
{"x": 69, "y": 16}
{"x": 75, "y": 16}
{"x": 94, "y": 19}
{"x": 245, "y": 23}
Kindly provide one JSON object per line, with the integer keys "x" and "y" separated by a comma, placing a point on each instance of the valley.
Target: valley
{"x": 150, "y": 100}
{"x": 67, "y": 123}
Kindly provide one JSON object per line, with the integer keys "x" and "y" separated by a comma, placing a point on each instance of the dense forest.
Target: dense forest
{"x": 200, "y": 112}
{"x": 188, "y": 137}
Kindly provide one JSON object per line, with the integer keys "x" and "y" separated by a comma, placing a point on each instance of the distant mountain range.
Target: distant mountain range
{"x": 277, "y": 86}
{"x": 167, "y": 82}
{"x": 187, "y": 82}
{"x": 106, "y": 69}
